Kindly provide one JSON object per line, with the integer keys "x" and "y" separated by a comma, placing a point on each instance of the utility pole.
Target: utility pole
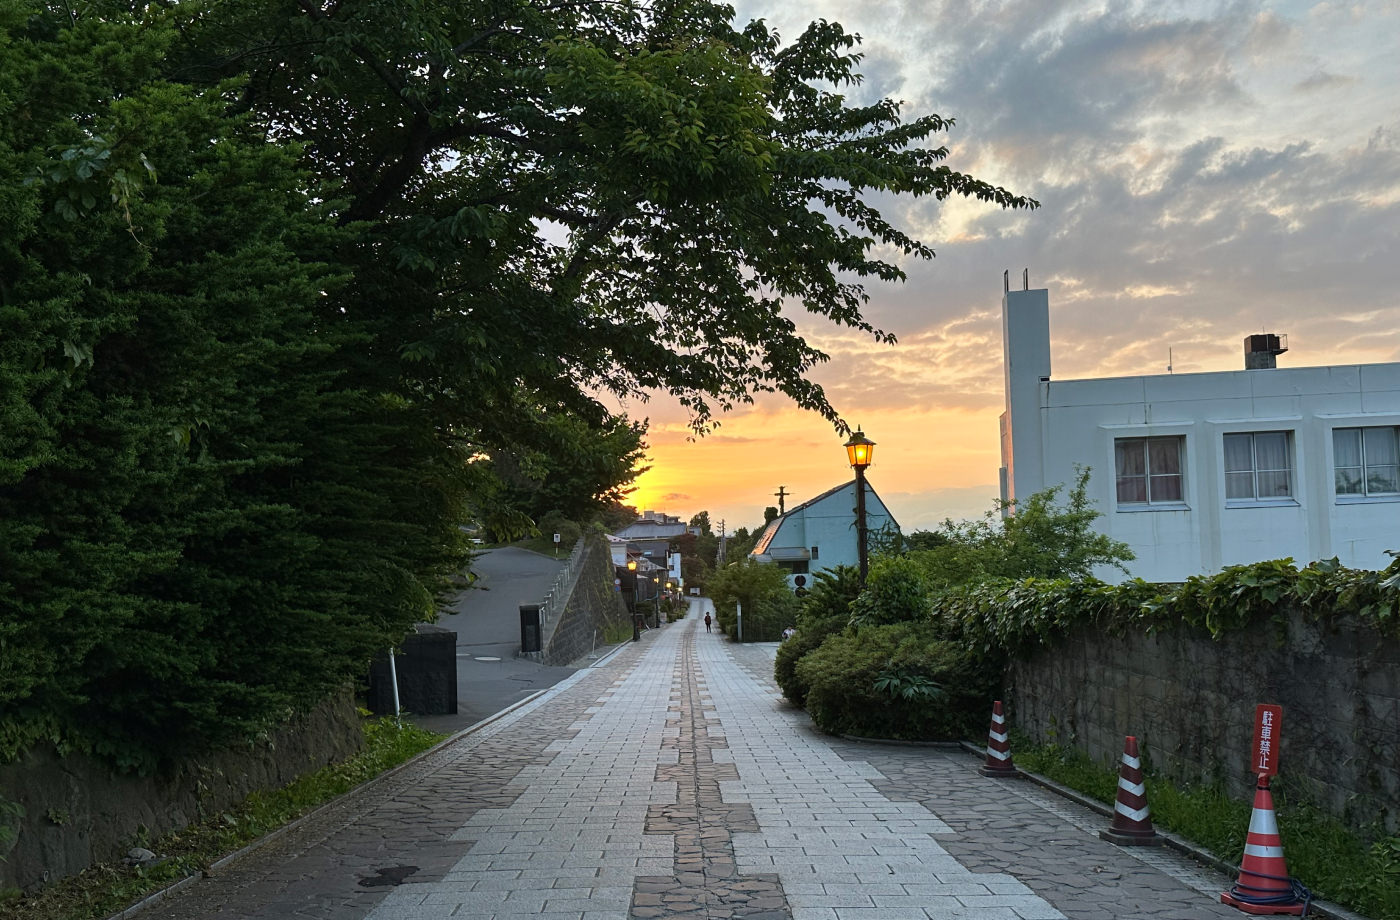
{"x": 781, "y": 494}
{"x": 719, "y": 556}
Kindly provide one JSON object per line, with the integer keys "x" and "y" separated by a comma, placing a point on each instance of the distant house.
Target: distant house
{"x": 651, "y": 556}
{"x": 1200, "y": 471}
{"x": 656, "y": 525}
{"x": 820, "y": 534}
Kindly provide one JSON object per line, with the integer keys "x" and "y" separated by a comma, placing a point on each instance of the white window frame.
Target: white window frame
{"x": 1365, "y": 495}
{"x": 1169, "y": 504}
{"x": 1255, "y": 500}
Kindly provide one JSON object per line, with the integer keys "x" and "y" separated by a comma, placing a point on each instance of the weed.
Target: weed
{"x": 613, "y": 633}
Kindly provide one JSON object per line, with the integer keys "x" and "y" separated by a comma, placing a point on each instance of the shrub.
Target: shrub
{"x": 806, "y": 640}
{"x": 768, "y": 602}
{"x": 772, "y": 614}
{"x": 895, "y": 681}
{"x": 825, "y": 612}
{"x": 897, "y": 591}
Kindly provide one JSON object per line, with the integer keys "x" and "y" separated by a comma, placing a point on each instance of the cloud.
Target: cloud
{"x": 1322, "y": 80}
{"x": 1206, "y": 171}
{"x": 928, "y": 509}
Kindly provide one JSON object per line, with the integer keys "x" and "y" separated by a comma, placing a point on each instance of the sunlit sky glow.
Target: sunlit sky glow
{"x": 1206, "y": 170}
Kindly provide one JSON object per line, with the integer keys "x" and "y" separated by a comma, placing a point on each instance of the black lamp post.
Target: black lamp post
{"x": 636, "y": 617}
{"x": 859, "y": 451}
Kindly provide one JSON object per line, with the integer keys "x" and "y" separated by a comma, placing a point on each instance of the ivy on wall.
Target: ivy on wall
{"x": 1010, "y": 617}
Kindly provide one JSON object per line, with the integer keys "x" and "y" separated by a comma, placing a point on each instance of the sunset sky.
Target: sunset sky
{"x": 1205, "y": 170}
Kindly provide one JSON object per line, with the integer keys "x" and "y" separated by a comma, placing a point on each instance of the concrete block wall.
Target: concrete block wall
{"x": 592, "y": 605}
{"x": 1190, "y": 701}
{"x": 78, "y": 812}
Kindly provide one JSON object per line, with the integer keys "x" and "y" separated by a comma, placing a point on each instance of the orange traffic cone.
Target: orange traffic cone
{"x": 1132, "y": 821}
{"x": 998, "y": 749}
{"x": 1264, "y": 886}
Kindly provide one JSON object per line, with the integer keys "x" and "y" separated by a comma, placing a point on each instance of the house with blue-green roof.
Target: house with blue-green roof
{"x": 820, "y": 534}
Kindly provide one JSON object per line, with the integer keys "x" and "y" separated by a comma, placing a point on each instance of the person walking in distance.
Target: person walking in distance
{"x": 707, "y": 622}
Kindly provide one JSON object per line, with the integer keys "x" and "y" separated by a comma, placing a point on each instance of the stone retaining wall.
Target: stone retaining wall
{"x": 78, "y": 812}
{"x": 1190, "y": 700}
{"x": 592, "y": 605}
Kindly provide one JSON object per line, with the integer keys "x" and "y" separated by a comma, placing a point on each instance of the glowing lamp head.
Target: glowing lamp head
{"x": 860, "y": 450}
{"x": 631, "y": 565}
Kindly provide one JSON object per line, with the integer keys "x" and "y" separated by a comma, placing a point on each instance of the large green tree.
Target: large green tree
{"x": 292, "y": 282}
{"x": 203, "y": 523}
{"x": 570, "y": 199}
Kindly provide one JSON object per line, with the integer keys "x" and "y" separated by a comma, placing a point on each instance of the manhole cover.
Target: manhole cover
{"x": 487, "y": 658}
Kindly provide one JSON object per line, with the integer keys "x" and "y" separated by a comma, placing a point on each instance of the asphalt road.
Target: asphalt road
{"x": 486, "y": 618}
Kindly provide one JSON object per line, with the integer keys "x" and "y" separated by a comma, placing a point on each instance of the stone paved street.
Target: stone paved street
{"x": 672, "y": 780}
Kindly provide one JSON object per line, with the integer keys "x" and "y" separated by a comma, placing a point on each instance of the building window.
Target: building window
{"x": 1366, "y": 461}
{"x": 1258, "y": 466}
{"x": 1149, "y": 470}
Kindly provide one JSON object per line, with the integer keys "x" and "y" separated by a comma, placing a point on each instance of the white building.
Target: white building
{"x": 820, "y": 534}
{"x": 1199, "y": 471}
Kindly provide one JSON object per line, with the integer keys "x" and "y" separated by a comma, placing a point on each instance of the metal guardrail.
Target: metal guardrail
{"x": 557, "y": 597}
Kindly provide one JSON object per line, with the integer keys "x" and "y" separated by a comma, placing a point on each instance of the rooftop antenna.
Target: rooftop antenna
{"x": 1025, "y": 279}
{"x": 1006, "y": 281}
{"x": 1169, "y": 359}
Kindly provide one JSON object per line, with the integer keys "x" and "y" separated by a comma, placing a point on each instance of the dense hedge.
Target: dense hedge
{"x": 897, "y": 634}
{"x": 896, "y": 681}
{"x": 825, "y": 612}
{"x": 1006, "y": 617}
{"x": 206, "y": 523}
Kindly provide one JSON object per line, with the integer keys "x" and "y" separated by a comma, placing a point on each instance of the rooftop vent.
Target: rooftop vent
{"x": 1260, "y": 351}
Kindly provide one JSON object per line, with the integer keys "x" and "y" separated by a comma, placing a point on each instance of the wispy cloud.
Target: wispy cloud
{"x": 1206, "y": 169}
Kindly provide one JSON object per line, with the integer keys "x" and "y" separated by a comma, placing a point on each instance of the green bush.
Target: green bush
{"x": 896, "y": 681}
{"x": 896, "y": 591}
{"x": 806, "y": 640}
{"x": 768, "y": 603}
{"x": 825, "y": 612}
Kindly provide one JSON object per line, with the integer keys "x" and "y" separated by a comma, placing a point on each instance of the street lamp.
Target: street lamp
{"x": 860, "y": 450}
{"x": 636, "y": 622}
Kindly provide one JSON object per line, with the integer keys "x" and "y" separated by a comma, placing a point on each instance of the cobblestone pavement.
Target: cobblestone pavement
{"x": 673, "y": 781}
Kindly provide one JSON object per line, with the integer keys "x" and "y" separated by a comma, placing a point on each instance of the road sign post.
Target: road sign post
{"x": 1268, "y": 719}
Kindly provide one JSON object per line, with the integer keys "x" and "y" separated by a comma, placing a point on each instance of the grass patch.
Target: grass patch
{"x": 613, "y": 633}
{"x": 545, "y": 545}
{"x": 1324, "y": 854}
{"x": 106, "y": 888}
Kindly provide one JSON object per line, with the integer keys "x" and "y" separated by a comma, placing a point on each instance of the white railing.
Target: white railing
{"x": 557, "y": 597}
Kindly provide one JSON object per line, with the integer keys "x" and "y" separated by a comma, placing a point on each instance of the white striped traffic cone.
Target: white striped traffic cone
{"x": 1264, "y": 886}
{"x": 998, "y": 748}
{"x": 1132, "y": 820}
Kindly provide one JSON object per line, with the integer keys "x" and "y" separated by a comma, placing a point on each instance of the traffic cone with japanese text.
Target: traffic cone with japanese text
{"x": 1264, "y": 886}
{"x": 998, "y": 748}
{"x": 1132, "y": 821}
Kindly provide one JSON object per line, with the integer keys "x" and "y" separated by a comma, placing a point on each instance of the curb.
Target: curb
{"x": 1173, "y": 841}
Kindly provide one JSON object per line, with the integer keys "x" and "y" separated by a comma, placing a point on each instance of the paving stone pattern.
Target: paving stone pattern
{"x": 673, "y": 781}
{"x": 705, "y": 881}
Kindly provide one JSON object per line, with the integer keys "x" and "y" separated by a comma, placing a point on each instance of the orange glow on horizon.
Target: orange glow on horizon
{"x": 735, "y": 472}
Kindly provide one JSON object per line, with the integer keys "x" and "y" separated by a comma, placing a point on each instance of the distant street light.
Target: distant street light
{"x": 636, "y": 617}
{"x": 860, "y": 450}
